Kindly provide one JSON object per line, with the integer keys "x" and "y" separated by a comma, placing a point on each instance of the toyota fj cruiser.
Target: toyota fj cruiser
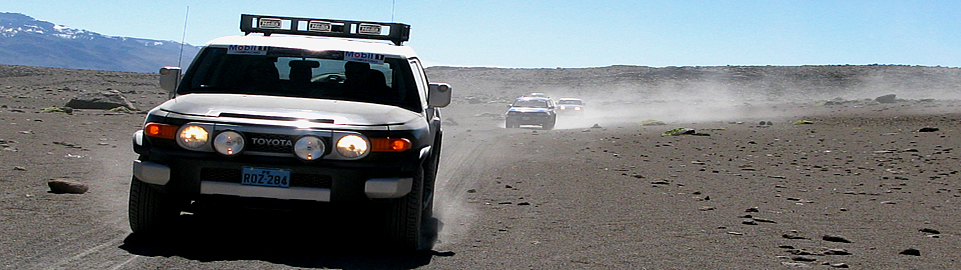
{"x": 310, "y": 110}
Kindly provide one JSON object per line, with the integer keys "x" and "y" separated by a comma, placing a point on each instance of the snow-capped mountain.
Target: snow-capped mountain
{"x": 30, "y": 42}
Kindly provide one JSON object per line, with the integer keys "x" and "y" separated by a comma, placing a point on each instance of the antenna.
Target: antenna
{"x": 392, "y": 2}
{"x": 183, "y": 39}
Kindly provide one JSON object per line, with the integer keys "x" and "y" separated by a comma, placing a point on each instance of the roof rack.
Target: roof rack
{"x": 395, "y": 32}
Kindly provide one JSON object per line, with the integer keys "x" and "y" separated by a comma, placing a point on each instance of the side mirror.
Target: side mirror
{"x": 169, "y": 78}
{"x": 439, "y": 95}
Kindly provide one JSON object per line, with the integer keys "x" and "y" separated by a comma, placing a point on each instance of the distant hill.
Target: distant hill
{"x": 30, "y": 42}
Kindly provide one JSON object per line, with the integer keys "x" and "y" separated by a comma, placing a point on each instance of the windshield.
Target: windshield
{"x": 531, "y": 103}
{"x": 302, "y": 73}
{"x": 570, "y": 102}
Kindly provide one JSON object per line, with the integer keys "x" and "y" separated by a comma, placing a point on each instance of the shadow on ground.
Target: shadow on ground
{"x": 288, "y": 238}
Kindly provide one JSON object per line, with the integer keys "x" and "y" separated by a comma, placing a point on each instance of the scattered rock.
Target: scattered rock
{"x": 794, "y": 264}
{"x": 749, "y": 222}
{"x": 19, "y": 168}
{"x": 66, "y": 110}
{"x": 802, "y": 259}
{"x": 793, "y": 235}
{"x": 910, "y": 251}
{"x": 803, "y": 122}
{"x": 66, "y": 186}
{"x": 835, "y": 238}
{"x": 836, "y": 251}
{"x": 928, "y": 129}
{"x": 929, "y": 230}
{"x": 839, "y": 265}
{"x": 764, "y": 220}
{"x": 683, "y": 131}
{"x": 104, "y": 100}
{"x": 652, "y": 123}
{"x": 596, "y": 126}
{"x": 752, "y": 210}
{"x": 889, "y": 98}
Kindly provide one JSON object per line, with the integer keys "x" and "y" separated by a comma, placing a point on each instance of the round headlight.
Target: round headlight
{"x": 229, "y": 143}
{"x": 309, "y": 148}
{"x": 352, "y": 146}
{"x": 192, "y": 137}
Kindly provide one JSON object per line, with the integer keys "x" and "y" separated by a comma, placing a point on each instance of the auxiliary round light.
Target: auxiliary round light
{"x": 229, "y": 143}
{"x": 309, "y": 148}
{"x": 352, "y": 146}
{"x": 192, "y": 137}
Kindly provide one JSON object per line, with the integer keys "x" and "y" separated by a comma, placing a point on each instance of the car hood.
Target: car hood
{"x": 528, "y": 110}
{"x": 327, "y": 111}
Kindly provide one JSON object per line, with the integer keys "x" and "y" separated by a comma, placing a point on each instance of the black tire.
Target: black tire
{"x": 150, "y": 211}
{"x": 405, "y": 217}
{"x": 549, "y": 125}
{"x": 508, "y": 124}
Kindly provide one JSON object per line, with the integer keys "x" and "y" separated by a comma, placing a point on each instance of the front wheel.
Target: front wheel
{"x": 150, "y": 211}
{"x": 408, "y": 217}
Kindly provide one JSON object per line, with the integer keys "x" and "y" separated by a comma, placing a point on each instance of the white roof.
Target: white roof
{"x": 316, "y": 44}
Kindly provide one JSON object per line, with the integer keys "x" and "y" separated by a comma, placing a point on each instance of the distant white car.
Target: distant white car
{"x": 536, "y": 94}
{"x": 570, "y": 106}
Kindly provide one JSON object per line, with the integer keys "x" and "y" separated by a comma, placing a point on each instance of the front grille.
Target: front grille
{"x": 296, "y": 179}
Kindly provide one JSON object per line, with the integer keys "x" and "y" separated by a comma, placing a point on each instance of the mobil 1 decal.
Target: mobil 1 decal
{"x": 247, "y": 50}
{"x": 372, "y": 58}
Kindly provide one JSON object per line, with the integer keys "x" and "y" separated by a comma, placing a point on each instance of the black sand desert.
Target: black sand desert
{"x": 790, "y": 167}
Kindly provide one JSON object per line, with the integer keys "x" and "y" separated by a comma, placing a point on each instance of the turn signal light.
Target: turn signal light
{"x": 162, "y": 131}
{"x": 390, "y": 145}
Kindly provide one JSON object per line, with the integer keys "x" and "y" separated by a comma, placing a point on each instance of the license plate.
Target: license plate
{"x": 526, "y": 118}
{"x": 265, "y": 177}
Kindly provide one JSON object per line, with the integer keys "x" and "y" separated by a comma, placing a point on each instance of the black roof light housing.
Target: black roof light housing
{"x": 398, "y": 33}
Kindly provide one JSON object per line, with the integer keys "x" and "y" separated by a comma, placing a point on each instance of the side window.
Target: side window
{"x": 421, "y": 80}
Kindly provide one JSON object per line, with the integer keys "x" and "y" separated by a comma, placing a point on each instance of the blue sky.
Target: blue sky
{"x": 569, "y": 34}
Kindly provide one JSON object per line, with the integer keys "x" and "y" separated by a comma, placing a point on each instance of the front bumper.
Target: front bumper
{"x": 529, "y": 119}
{"x": 216, "y": 182}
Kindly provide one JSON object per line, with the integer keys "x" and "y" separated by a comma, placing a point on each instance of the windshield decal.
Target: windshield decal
{"x": 247, "y": 50}
{"x": 371, "y": 58}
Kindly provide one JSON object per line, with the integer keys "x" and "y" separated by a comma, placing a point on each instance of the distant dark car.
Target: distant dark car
{"x": 531, "y": 111}
{"x": 570, "y": 106}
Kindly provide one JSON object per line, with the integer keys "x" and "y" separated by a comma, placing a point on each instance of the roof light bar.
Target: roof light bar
{"x": 395, "y": 32}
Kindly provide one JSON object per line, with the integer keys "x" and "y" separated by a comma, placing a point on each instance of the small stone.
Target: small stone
{"x": 764, "y": 220}
{"x": 19, "y": 168}
{"x": 66, "y": 186}
{"x": 794, "y": 264}
{"x": 803, "y": 259}
{"x": 749, "y": 222}
{"x": 910, "y": 251}
{"x": 929, "y": 230}
{"x": 752, "y": 209}
{"x": 793, "y": 236}
{"x": 928, "y": 129}
{"x": 836, "y": 251}
{"x": 706, "y": 208}
{"x": 840, "y": 265}
{"x": 472, "y": 191}
{"x": 835, "y": 238}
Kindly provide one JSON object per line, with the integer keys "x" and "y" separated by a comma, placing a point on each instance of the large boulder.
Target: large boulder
{"x": 104, "y": 100}
{"x": 890, "y": 98}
